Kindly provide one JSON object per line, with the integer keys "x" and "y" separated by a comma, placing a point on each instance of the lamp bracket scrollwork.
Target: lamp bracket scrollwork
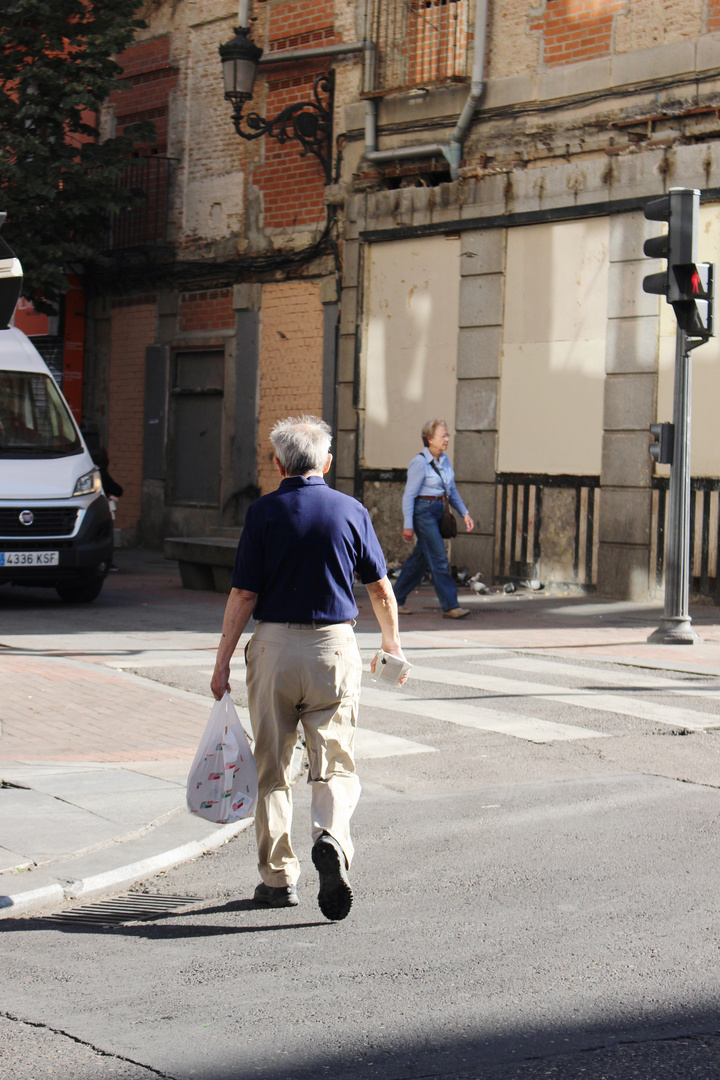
{"x": 306, "y": 122}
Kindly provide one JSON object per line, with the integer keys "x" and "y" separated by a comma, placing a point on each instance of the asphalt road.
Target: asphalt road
{"x": 536, "y": 888}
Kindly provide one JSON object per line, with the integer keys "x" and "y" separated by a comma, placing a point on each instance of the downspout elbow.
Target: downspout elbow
{"x": 457, "y": 139}
{"x": 477, "y": 89}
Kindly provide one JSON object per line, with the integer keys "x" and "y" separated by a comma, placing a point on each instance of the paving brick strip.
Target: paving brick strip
{"x": 56, "y": 709}
{"x": 61, "y": 720}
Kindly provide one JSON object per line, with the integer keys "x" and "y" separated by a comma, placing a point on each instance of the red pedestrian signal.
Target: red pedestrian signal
{"x": 695, "y": 306}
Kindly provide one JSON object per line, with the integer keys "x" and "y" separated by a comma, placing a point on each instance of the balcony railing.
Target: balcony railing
{"x": 418, "y": 42}
{"x": 146, "y": 223}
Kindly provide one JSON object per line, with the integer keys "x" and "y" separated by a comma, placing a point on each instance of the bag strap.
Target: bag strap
{"x": 442, "y": 480}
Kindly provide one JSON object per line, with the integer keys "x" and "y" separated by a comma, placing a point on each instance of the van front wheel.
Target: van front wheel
{"x": 80, "y": 594}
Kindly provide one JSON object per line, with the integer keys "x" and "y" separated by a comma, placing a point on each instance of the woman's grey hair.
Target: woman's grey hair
{"x": 301, "y": 443}
{"x": 429, "y": 429}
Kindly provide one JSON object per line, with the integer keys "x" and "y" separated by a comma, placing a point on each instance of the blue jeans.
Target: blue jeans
{"x": 428, "y": 553}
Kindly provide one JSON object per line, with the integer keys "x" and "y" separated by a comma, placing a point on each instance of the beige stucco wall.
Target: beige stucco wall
{"x": 553, "y": 361}
{"x": 511, "y": 49}
{"x": 648, "y": 23}
{"x": 704, "y": 442}
{"x": 212, "y": 196}
{"x": 409, "y": 338}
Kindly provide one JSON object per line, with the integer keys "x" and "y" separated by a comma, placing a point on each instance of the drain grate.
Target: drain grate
{"x": 135, "y": 907}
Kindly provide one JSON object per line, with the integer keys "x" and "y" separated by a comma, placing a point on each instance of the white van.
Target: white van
{"x": 56, "y": 529}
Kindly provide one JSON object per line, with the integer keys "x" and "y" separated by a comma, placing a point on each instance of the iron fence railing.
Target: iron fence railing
{"x": 418, "y": 42}
{"x": 704, "y": 533}
{"x": 145, "y": 223}
{"x": 519, "y": 525}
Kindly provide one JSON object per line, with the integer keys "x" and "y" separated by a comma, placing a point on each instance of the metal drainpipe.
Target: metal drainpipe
{"x": 452, "y": 151}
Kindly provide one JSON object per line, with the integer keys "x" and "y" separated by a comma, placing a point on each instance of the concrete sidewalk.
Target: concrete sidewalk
{"x": 93, "y": 764}
{"x": 93, "y": 759}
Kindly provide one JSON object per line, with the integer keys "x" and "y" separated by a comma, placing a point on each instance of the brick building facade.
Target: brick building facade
{"x": 478, "y": 250}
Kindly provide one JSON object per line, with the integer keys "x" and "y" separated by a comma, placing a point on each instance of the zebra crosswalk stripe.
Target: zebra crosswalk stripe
{"x": 672, "y": 715}
{"x": 538, "y": 666}
{"x": 451, "y": 711}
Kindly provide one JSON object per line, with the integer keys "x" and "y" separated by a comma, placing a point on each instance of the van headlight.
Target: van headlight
{"x": 88, "y": 483}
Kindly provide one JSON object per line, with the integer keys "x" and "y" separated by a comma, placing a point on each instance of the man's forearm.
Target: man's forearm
{"x": 238, "y": 610}
{"x": 384, "y": 606}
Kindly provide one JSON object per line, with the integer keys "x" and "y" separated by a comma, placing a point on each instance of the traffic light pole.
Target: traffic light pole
{"x": 676, "y": 625}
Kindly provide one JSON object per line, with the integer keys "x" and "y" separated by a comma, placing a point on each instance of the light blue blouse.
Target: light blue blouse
{"x": 423, "y": 480}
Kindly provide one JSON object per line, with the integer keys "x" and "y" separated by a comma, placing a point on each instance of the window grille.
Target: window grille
{"x": 418, "y": 42}
{"x": 145, "y": 223}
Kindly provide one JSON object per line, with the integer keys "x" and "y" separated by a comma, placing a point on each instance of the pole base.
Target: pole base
{"x": 675, "y": 630}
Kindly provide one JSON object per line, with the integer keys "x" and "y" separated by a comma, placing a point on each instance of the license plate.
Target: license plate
{"x": 29, "y": 558}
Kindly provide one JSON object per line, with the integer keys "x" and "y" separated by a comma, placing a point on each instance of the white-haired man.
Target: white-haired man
{"x": 299, "y": 551}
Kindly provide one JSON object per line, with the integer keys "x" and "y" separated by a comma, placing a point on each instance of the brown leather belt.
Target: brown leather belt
{"x": 431, "y": 498}
{"x": 316, "y": 624}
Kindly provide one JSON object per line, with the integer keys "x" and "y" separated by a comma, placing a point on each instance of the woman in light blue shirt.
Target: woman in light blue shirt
{"x": 430, "y": 477}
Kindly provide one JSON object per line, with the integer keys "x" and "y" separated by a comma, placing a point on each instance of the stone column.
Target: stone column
{"x": 482, "y": 268}
{"x": 631, "y": 367}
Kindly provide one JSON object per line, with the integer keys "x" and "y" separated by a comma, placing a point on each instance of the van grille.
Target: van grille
{"x": 50, "y": 521}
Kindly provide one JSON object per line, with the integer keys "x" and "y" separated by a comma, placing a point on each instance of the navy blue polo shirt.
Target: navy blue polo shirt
{"x": 299, "y": 550}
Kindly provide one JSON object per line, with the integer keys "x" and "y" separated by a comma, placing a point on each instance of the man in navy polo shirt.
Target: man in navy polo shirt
{"x": 299, "y": 551}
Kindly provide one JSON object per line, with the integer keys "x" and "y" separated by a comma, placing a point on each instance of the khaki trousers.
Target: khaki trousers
{"x": 311, "y": 676}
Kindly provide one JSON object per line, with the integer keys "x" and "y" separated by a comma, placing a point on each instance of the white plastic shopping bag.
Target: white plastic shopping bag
{"x": 222, "y": 784}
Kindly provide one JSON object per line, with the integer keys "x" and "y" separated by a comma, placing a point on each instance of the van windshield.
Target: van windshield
{"x": 34, "y": 419}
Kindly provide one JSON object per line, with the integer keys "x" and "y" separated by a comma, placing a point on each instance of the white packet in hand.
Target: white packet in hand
{"x": 389, "y": 668}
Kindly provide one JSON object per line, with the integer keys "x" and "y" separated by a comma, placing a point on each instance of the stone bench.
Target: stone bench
{"x": 206, "y": 562}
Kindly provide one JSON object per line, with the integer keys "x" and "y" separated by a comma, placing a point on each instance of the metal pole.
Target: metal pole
{"x": 676, "y": 625}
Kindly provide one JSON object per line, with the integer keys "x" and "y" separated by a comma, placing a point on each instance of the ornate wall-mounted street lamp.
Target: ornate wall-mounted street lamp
{"x": 307, "y": 122}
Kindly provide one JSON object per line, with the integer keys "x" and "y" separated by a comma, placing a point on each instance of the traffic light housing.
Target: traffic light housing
{"x": 686, "y": 284}
{"x": 662, "y": 449}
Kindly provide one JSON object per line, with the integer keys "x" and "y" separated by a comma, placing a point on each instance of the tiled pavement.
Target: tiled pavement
{"x": 93, "y": 765}
{"x": 56, "y": 709}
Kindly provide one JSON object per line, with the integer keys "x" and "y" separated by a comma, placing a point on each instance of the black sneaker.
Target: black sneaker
{"x": 335, "y": 897}
{"x": 284, "y": 896}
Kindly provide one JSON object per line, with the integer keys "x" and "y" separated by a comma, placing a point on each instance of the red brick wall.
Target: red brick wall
{"x": 575, "y": 30}
{"x": 293, "y": 186}
{"x": 298, "y": 17}
{"x": 144, "y": 89}
{"x": 290, "y": 363}
{"x": 132, "y": 329}
{"x": 713, "y": 15}
{"x": 208, "y": 310}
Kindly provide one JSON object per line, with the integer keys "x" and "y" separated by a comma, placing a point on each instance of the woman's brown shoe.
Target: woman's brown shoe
{"x": 456, "y": 613}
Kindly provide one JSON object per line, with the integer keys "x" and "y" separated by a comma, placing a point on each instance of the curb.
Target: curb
{"x": 120, "y": 878}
